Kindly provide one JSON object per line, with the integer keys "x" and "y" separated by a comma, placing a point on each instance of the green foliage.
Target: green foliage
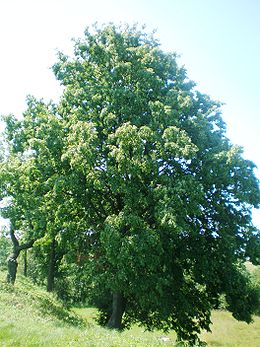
{"x": 239, "y": 285}
{"x": 255, "y": 273}
{"x": 5, "y": 247}
{"x": 132, "y": 171}
{"x": 73, "y": 284}
{"x": 37, "y": 259}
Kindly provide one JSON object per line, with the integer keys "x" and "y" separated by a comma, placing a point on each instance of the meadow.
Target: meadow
{"x": 30, "y": 317}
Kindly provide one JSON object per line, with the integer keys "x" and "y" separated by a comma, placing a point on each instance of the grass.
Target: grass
{"x": 228, "y": 332}
{"x": 30, "y": 317}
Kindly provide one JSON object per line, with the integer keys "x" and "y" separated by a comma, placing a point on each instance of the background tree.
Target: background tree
{"x": 33, "y": 178}
{"x": 28, "y": 173}
{"x": 135, "y": 162}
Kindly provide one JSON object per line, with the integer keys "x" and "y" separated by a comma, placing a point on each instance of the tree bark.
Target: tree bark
{"x": 118, "y": 309}
{"x": 52, "y": 266}
{"x": 25, "y": 263}
{"x": 12, "y": 263}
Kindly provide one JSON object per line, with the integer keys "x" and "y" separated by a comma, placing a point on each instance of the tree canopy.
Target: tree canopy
{"x": 134, "y": 164}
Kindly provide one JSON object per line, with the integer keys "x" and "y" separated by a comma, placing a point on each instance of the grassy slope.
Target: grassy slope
{"x": 31, "y": 317}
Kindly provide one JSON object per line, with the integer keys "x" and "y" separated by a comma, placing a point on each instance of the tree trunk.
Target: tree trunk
{"x": 12, "y": 265}
{"x": 118, "y": 308}
{"x": 52, "y": 266}
{"x": 25, "y": 263}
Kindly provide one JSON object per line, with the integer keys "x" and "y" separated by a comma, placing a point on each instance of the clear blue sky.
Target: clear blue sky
{"x": 219, "y": 43}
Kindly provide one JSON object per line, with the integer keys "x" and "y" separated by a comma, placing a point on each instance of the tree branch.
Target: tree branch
{"x": 26, "y": 245}
{"x": 13, "y": 237}
{"x": 16, "y": 243}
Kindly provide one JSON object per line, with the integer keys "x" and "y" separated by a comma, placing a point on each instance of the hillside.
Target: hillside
{"x": 32, "y": 317}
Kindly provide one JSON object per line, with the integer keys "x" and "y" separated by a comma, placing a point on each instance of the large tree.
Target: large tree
{"x": 141, "y": 169}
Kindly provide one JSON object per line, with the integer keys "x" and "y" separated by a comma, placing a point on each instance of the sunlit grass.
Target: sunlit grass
{"x": 228, "y": 332}
{"x": 30, "y": 318}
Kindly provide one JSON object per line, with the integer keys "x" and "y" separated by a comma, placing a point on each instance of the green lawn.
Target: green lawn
{"x": 31, "y": 317}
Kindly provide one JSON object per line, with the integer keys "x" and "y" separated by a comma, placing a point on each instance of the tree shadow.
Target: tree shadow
{"x": 61, "y": 313}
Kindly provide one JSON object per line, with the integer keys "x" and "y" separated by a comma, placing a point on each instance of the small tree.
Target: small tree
{"x": 27, "y": 176}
